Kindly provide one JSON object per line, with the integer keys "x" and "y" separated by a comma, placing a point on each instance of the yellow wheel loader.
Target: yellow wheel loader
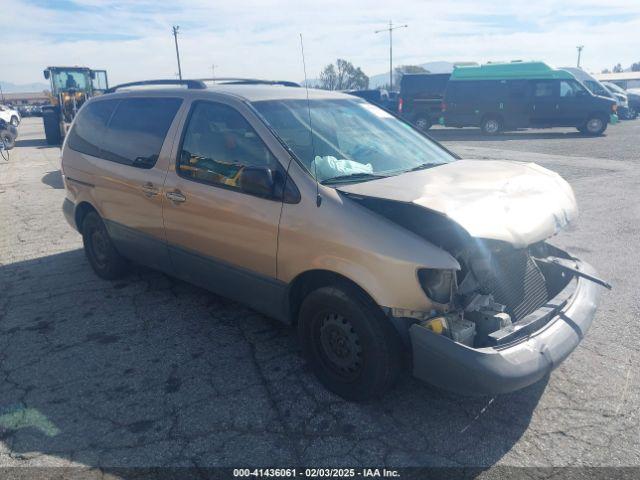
{"x": 70, "y": 88}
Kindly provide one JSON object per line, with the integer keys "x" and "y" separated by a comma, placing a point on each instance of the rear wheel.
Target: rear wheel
{"x": 100, "y": 252}
{"x": 51, "y": 121}
{"x": 350, "y": 344}
{"x": 491, "y": 125}
{"x": 422, "y": 122}
{"x": 594, "y": 126}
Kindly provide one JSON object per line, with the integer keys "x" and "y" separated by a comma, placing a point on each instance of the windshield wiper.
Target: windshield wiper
{"x": 353, "y": 177}
{"x": 423, "y": 166}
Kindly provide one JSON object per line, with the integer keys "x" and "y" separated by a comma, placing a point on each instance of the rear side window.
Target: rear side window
{"x": 89, "y": 129}
{"x": 137, "y": 130}
{"x": 544, "y": 89}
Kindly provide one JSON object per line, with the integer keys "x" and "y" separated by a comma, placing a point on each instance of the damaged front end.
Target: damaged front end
{"x": 501, "y": 294}
{"x": 505, "y": 319}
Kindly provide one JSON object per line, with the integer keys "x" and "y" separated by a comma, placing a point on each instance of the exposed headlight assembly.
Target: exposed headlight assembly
{"x": 437, "y": 284}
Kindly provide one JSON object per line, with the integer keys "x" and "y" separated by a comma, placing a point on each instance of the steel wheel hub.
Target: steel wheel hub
{"x": 340, "y": 344}
{"x": 100, "y": 246}
{"x": 594, "y": 125}
{"x": 491, "y": 126}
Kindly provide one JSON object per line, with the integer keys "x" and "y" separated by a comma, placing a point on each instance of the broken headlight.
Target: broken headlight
{"x": 437, "y": 284}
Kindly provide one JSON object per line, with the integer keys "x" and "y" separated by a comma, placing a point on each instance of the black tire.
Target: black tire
{"x": 422, "y": 122}
{"x": 15, "y": 121}
{"x": 101, "y": 254}
{"x": 351, "y": 346}
{"x": 491, "y": 125}
{"x": 8, "y": 140}
{"x": 51, "y": 121}
{"x": 594, "y": 126}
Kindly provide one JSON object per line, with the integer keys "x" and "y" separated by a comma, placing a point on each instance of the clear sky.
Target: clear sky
{"x": 260, "y": 38}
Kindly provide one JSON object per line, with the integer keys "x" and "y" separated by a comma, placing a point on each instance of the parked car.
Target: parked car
{"x": 627, "y": 112}
{"x": 421, "y": 97}
{"x": 384, "y": 248}
{"x": 10, "y": 115}
{"x": 36, "y": 110}
{"x": 500, "y": 96}
{"x": 376, "y": 96}
{"x": 24, "y": 110}
{"x": 598, "y": 88}
{"x": 8, "y": 135}
{"x": 592, "y": 83}
{"x": 633, "y": 94}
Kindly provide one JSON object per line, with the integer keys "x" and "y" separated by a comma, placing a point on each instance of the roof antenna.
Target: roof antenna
{"x": 313, "y": 149}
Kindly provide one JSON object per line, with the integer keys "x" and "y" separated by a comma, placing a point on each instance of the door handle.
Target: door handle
{"x": 176, "y": 196}
{"x": 149, "y": 190}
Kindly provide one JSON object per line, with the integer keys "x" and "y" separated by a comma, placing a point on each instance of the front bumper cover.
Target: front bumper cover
{"x": 440, "y": 361}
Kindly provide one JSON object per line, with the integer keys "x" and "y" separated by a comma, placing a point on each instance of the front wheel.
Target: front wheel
{"x": 101, "y": 254}
{"x": 594, "y": 126}
{"x": 349, "y": 343}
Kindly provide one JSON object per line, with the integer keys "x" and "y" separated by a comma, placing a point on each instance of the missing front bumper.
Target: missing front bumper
{"x": 493, "y": 370}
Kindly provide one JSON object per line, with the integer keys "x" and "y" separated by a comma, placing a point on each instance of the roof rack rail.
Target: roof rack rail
{"x": 249, "y": 81}
{"x": 192, "y": 84}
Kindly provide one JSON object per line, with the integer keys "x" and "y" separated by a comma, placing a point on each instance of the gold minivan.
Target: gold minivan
{"x": 319, "y": 209}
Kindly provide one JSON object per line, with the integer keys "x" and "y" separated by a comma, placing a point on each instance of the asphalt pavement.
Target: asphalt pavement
{"x": 151, "y": 371}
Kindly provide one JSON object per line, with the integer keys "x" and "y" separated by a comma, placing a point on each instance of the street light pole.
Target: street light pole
{"x": 390, "y": 29}
{"x": 175, "y": 38}
{"x": 579, "y": 47}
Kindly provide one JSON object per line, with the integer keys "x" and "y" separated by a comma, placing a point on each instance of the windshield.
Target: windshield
{"x": 615, "y": 88}
{"x": 352, "y": 139}
{"x": 70, "y": 79}
{"x": 597, "y": 88}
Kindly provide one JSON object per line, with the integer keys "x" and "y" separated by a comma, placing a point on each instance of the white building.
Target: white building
{"x": 624, "y": 79}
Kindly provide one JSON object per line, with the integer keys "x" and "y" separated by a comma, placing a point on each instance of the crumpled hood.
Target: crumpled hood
{"x": 518, "y": 203}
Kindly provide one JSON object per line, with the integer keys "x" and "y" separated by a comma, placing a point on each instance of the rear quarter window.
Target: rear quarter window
{"x": 137, "y": 130}
{"x": 90, "y": 127}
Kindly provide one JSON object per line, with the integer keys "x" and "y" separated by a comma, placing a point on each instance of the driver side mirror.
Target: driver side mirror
{"x": 257, "y": 181}
{"x": 46, "y": 74}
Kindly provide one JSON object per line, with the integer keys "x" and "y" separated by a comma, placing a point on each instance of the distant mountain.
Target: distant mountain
{"x": 8, "y": 87}
{"x": 381, "y": 79}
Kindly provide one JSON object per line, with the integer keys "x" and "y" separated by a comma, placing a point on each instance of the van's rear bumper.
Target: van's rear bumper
{"x": 494, "y": 370}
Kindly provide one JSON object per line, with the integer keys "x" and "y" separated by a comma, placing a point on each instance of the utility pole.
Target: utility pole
{"x": 213, "y": 70}
{"x": 390, "y": 29}
{"x": 579, "y": 47}
{"x": 175, "y": 38}
{"x": 1, "y": 93}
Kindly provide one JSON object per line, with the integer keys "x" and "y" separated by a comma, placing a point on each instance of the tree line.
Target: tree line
{"x": 617, "y": 68}
{"x": 343, "y": 75}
